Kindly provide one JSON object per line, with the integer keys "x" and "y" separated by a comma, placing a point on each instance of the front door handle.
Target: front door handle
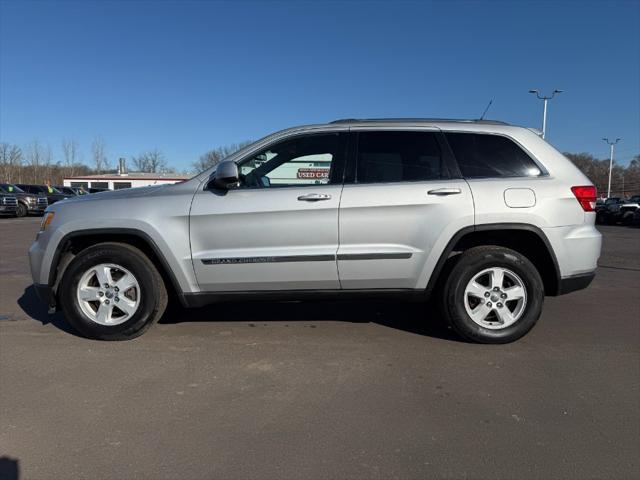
{"x": 445, "y": 191}
{"x": 314, "y": 197}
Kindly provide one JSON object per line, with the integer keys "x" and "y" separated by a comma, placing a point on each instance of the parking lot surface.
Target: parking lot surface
{"x": 323, "y": 390}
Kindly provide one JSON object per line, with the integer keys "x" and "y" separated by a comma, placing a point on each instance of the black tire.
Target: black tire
{"x": 474, "y": 261}
{"x": 22, "y": 210}
{"x": 627, "y": 218}
{"x": 153, "y": 292}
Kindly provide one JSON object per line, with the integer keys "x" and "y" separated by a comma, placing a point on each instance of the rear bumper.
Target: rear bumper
{"x": 575, "y": 282}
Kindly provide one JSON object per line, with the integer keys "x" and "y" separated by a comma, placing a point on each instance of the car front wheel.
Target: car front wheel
{"x": 22, "y": 210}
{"x": 112, "y": 291}
{"x": 493, "y": 295}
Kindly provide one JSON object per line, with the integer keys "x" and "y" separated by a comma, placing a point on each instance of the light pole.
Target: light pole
{"x": 611, "y": 146}
{"x": 544, "y": 112}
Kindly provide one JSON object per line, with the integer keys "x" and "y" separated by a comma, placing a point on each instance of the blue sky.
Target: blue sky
{"x": 184, "y": 77}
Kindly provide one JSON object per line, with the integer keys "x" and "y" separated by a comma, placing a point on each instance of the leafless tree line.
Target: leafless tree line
{"x": 625, "y": 181}
{"x": 35, "y": 163}
{"x": 216, "y": 155}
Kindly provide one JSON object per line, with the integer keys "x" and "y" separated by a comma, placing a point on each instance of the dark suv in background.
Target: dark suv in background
{"x": 53, "y": 195}
{"x": 28, "y": 203}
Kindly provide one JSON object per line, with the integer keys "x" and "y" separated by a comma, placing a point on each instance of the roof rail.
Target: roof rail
{"x": 417, "y": 120}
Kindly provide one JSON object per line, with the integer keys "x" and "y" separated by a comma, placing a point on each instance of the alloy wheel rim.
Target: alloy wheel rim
{"x": 495, "y": 298}
{"x": 108, "y": 294}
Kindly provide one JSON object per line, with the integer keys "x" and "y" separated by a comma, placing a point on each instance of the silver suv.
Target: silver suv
{"x": 486, "y": 217}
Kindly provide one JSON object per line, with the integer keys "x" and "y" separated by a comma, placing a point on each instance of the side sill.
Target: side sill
{"x": 200, "y": 299}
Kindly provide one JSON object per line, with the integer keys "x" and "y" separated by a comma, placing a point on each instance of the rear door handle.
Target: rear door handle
{"x": 445, "y": 191}
{"x": 314, "y": 197}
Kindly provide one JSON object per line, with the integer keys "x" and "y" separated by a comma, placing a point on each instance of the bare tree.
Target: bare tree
{"x": 215, "y": 156}
{"x": 10, "y": 163}
{"x": 98, "y": 154}
{"x": 34, "y": 160}
{"x": 70, "y": 152}
{"x": 152, "y": 161}
{"x": 47, "y": 164}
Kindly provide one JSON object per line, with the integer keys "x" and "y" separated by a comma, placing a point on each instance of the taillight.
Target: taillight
{"x": 586, "y": 196}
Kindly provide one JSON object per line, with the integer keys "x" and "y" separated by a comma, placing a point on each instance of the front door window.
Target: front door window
{"x": 309, "y": 160}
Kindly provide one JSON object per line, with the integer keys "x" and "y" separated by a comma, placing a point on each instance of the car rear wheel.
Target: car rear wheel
{"x": 112, "y": 291}
{"x": 492, "y": 295}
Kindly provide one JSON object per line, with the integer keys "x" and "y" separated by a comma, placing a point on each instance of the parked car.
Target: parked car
{"x": 53, "y": 195}
{"x": 486, "y": 217}
{"x": 66, "y": 190}
{"x": 79, "y": 190}
{"x": 27, "y": 202}
{"x": 605, "y": 208}
{"x": 8, "y": 205}
{"x": 617, "y": 210}
{"x": 628, "y": 208}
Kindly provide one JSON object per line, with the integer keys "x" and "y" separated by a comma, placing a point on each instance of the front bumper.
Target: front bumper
{"x": 8, "y": 209}
{"x": 37, "y": 208}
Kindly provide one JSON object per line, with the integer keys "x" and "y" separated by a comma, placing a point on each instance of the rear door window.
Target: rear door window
{"x": 484, "y": 155}
{"x": 398, "y": 157}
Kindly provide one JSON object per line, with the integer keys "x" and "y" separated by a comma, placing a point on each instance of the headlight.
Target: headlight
{"x": 46, "y": 220}
{"x": 31, "y": 199}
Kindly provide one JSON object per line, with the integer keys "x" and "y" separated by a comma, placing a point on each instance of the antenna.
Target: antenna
{"x": 486, "y": 110}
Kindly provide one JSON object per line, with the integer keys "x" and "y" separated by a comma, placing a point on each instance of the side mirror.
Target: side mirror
{"x": 226, "y": 176}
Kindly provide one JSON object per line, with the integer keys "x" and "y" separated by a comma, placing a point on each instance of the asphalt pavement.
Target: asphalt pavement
{"x": 323, "y": 390}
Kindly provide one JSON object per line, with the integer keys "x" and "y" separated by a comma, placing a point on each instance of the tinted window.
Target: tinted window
{"x": 301, "y": 161}
{"x": 481, "y": 155}
{"x": 32, "y": 189}
{"x": 398, "y": 157}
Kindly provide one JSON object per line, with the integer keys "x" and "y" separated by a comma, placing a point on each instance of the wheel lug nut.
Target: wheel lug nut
{"x": 117, "y": 299}
{"x": 489, "y": 304}
{"x": 487, "y": 294}
{"x": 116, "y": 289}
{"x": 504, "y": 295}
{"x": 100, "y": 294}
{"x": 495, "y": 289}
{"x": 106, "y": 285}
{"x": 107, "y": 302}
{"x": 499, "y": 305}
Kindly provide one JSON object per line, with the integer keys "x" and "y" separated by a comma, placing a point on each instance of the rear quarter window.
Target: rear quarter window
{"x": 484, "y": 155}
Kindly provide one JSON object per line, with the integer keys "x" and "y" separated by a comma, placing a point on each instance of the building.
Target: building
{"x": 124, "y": 179}
{"x": 115, "y": 181}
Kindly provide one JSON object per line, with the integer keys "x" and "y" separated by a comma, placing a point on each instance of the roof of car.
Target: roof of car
{"x": 419, "y": 120}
